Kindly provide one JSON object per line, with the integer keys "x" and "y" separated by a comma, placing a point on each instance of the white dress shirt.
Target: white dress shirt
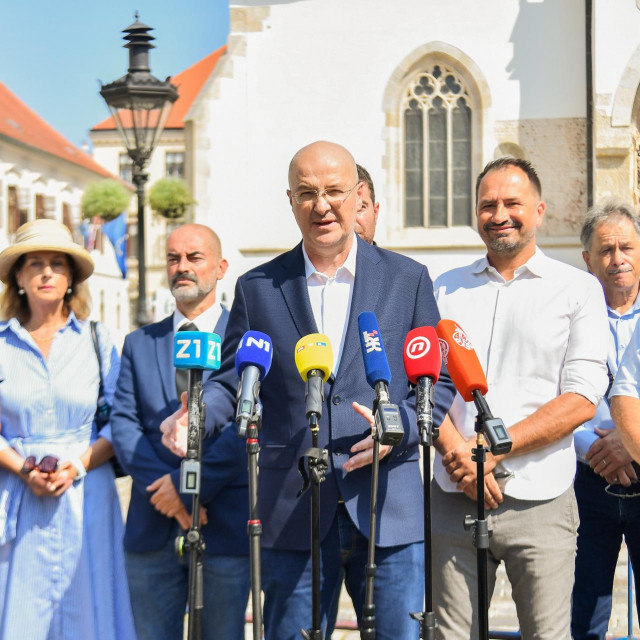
{"x": 621, "y": 330}
{"x": 330, "y": 299}
{"x": 539, "y": 335}
{"x": 206, "y": 321}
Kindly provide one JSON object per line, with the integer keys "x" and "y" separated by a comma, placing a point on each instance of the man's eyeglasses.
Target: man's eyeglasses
{"x": 333, "y": 195}
{"x": 48, "y": 464}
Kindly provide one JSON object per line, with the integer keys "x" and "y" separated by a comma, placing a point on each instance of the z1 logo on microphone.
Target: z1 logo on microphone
{"x": 418, "y": 347}
{"x": 372, "y": 341}
{"x": 196, "y": 350}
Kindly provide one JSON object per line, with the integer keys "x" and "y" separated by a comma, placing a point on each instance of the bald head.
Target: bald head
{"x": 321, "y": 152}
{"x": 207, "y": 234}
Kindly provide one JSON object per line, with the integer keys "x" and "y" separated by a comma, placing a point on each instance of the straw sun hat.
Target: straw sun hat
{"x": 45, "y": 235}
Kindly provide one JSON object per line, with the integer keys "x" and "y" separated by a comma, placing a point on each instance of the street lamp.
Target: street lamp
{"x": 140, "y": 105}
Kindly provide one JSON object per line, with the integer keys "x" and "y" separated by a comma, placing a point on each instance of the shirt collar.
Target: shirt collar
{"x": 349, "y": 265}
{"x": 17, "y": 328}
{"x": 537, "y": 265}
{"x": 206, "y": 321}
{"x": 631, "y": 311}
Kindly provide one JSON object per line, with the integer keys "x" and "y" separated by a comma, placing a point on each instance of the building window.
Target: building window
{"x": 17, "y": 214}
{"x": 437, "y": 113}
{"x": 39, "y": 206}
{"x": 174, "y": 164}
{"x": 126, "y": 167}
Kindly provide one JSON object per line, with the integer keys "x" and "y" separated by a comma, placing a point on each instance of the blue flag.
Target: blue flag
{"x": 116, "y": 231}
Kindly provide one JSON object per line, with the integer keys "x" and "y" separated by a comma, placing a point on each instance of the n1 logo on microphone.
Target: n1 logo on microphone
{"x": 196, "y": 350}
{"x": 371, "y": 341}
{"x": 418, "y": 347}
{"x": 263, "y": 344}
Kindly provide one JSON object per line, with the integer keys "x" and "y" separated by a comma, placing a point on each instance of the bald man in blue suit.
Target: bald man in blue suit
{"x": 147, "y": 392}
{"x": 322, "y": 285}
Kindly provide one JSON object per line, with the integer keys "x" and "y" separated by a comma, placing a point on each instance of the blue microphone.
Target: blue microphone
{"x": 388, "y": 427}
{"x": 376, "y": 365}
{"x": 253, "y": 361}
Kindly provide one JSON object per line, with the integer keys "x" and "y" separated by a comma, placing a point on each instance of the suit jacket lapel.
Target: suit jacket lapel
{"x": 366, "y": 292}
{"x": 164, "y": 354}
{"x": 293, "y": 285}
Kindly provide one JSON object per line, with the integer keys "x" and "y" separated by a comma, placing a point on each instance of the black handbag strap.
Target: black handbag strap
{"x": 96, "y": 346}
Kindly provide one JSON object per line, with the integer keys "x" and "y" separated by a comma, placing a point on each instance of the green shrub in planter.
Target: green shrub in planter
{"x": 106, "y": 199}
{"x": 170, "y": 198}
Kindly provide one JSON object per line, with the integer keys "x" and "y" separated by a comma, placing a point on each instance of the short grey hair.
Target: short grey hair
{"x": 606, "y": 212}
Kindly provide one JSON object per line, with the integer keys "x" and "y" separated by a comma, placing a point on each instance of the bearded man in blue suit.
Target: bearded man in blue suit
{"x": 149, "y": 389}
{"x": 322, "y": 285}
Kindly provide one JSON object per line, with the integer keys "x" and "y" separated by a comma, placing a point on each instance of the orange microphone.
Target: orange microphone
{"x": 461, "y": 360}
{"x": 466, "y": 372}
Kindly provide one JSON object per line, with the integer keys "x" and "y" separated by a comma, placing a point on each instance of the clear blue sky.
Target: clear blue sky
{"x": 54, "y": 53}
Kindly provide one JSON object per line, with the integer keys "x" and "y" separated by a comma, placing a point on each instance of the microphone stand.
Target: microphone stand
{"x": 317, "y": 462}
{"x": 499, "y": 443}
{"x": 428, "y": 433}
{"x": 368, "y": 624}
{"x": 254, "y": 525}
{"x": 193, "y": 541}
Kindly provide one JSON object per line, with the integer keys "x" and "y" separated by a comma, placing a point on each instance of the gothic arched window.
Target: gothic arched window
{"x": 438, "y": 185}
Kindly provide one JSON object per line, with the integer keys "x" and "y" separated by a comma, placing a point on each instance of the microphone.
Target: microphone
{"x": 388, "y": 425}
{"x": 194, "y": 351}
{"x": 314, "y": 361}
{"x": 253, "y": 361}
{"x": 422, "y": 364}
{"x": 468, "y": 377}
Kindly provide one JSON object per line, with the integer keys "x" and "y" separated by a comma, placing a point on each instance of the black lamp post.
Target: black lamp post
{"x": 140, "y": 105}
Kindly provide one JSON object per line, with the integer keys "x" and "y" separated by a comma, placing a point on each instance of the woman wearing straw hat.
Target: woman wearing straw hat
{"x": 62, "y": 571}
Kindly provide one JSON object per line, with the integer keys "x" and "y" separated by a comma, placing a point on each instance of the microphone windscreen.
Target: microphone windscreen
{"x": 376, "y": 366}
{"x": 422, "y": 357}
{"x": 196, "y": 350}
{"x": 461, "y": 360}
{"x": 254, "y": 349}
{"x": 313, "y": 351}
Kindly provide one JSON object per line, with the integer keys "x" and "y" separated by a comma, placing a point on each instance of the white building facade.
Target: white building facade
{"x": 423, "y": 94}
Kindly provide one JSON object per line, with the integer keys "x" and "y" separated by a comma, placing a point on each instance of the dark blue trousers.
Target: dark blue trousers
{"x": 604, "y": 520}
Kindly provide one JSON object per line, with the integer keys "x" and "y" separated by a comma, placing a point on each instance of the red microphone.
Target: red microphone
{"x": 466, "y": 372}
{"x": 422, "y": 354}
{"x": 461, "y": 360}
{"x": 422, "y": 364}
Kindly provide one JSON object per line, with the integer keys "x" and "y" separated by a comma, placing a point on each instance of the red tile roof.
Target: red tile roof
{"x": 24, "y": 126}
{"x": 189, "y": 83}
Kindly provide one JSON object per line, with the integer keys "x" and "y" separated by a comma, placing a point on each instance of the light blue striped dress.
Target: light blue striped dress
{"x": 62, "y": 574}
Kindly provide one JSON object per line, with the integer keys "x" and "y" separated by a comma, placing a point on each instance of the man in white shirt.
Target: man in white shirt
{"x": 149, "y": 389}
{"x": 606, "y": 481}
{"x": 539, "y": 328}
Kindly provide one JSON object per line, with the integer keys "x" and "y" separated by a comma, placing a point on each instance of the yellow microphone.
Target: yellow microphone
{"x": 314, "y": 361}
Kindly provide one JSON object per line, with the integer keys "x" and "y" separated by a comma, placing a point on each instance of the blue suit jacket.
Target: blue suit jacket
{"x": 145, "y": 395}
{"x": 273, "y": 298}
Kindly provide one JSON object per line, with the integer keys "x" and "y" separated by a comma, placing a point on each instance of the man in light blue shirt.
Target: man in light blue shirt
{"x": 605, "y": 483}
